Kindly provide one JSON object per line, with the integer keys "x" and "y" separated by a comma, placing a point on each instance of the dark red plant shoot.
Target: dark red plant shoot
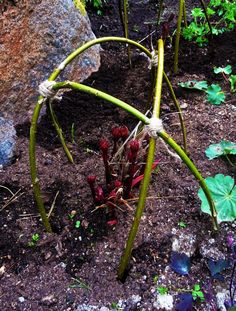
{"x": 121, "y": 175}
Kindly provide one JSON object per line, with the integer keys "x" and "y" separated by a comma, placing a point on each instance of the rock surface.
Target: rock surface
{"x": 7, "y": 141}
{"x": 36, "y": 36}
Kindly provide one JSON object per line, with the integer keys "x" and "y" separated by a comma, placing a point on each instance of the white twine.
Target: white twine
{"x": 153, "y": 61}
{"x": 46, "y": 90}
{"x": 154, "y": 127}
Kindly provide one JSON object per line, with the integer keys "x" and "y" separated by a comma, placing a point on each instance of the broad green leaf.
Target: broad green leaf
{"x": 210, "y": 11}
{"x": 222, "y": 148}
{"x": 194, "y": 85}
{"x": 215, "y": 95}
{"x": 223, "y": 192}
{"x": 232, "y": 80}
{"x": 227, "y": 70}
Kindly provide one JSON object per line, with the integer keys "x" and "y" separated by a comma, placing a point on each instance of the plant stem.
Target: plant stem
{"x": 91, "y": 43}
{"x": 159, "y": 78}
{"x": 148, "y": 169}
{"x": 139, "y": 211}
{"x": 60, "y": 134}
{"x": 185, "y": 15}
{"x": 90, "y": 90}
{"x": 159, "y": 12}
{"x": 180, "y": 114}
{"x": 177, "y": 38}
{"x": 33, "y": 170}
{"x": 195, "y": 172}
{"x": 206, "y": 15}
{"x": 33, "y": 128}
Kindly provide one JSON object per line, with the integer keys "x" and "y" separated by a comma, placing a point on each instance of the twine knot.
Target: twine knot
{"x": 46, "y": 90}
{"x": 154, "y": 127}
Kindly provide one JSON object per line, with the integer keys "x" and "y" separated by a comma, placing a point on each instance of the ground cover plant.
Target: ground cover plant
{"x": 175, "y": 256}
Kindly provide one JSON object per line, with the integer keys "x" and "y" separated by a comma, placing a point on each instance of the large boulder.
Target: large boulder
{"x": 36, "y": 35}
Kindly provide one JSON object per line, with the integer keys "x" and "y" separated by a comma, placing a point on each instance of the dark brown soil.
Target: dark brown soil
{"x": 44, "y": 277}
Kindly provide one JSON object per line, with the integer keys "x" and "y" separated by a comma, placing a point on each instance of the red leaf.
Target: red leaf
{"x": 139, "y": 178}
{"x": 112, "y": 222}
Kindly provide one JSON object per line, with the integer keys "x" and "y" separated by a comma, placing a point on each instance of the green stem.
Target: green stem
{"x": 159, "y": 78}
{"x": 206, "y": 15}
{"x": 195, "y": 172}
{"x": 60, "y": 134}
{"x": 148, "y": 169}
{"x": 33, "y": 170}
{"x": 90, "y": 90}
{"x": 126, "y": 28}
{"x": 91, "y": 43}
{"x": 180, "y": 114}
{"x": 139, "y": 211}
{"x": 159, "y": 12}
{"x": 33, "y": 128}
{"x": 62, "y": 66}
{"x": 185, "y": 15}
{"x": 228, "y": 159}
{"x": 177, "y": 38}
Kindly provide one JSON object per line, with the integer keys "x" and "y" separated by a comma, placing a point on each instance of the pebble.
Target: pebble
{"x": 21, "y": 299}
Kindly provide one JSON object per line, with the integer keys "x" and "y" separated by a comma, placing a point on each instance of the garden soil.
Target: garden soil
{"x": 76, "y": 267}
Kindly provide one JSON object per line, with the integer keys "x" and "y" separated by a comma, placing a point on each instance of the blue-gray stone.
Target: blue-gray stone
{"x": 7, "y": 141}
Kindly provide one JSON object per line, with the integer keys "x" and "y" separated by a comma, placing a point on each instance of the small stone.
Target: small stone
{"x": 21, "y": 299}
{"x": 164, "y": 302}
{"x": 2, "y": 270}
{"x": 183, "y": 105}
{"x": 49, "y": 300}
{"x": 221, "y": 297}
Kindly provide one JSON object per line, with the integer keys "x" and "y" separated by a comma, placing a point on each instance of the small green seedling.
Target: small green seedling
{"x": 226, "y": 72}
{"x": 223, "y": 70}
{"x": 72, "y": 215}
{"x": 182, "y": 224}
{"x": 197, "y": 293}
{"x": 115, "y": 306}
{"x": 223, "y": 12}
{"x": 162, "y": 290}
{"x": 223, "y": 191}
{"x": 77, "y": 224}
{"x": 34, "y": 239}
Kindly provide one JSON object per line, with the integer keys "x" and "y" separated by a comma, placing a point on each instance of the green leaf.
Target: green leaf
{"x": 232, "y": 80}
{"x": 215, "y": 95}
{"x": 223, "y": 192}
{"x": 197, "y": 12}
{"x": 227, "y": 70}
{"x": 222, "y": 148}
{"x": 162, "y": 290}
{"x": 77, "y": 224}
{"x": 194, "y": 85}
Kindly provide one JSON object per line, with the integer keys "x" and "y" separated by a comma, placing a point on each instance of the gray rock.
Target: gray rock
{"x": 7, "y": 141}
{"x": 36, "y": 36}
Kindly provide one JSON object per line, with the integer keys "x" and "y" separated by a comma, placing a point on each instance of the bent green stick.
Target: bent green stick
{"x": 148, "y": 169}
{"x": 177, "y": 38}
